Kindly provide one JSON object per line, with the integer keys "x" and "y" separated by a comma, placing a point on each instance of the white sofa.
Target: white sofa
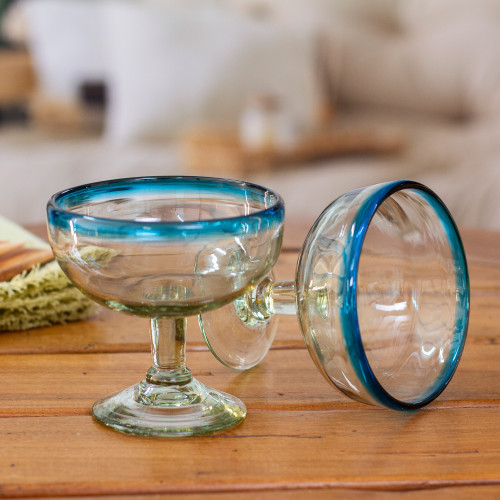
{"x": 429, "y": 68}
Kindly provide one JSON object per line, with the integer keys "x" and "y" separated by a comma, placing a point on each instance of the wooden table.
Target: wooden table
{"x": 301, "y": 439}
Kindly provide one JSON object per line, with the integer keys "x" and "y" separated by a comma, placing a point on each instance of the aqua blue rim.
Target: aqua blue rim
{"x": 60, "y": 214}
{"x": 349, "y": 315}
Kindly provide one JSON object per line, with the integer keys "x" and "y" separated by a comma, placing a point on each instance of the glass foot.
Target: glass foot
{"x": 188, "y": 409}
{"x": 236, "y": 338}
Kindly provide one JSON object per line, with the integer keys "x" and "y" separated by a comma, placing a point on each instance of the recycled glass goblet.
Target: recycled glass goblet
{"x": 381, "y": 292}
{"x": 166, "y": 248}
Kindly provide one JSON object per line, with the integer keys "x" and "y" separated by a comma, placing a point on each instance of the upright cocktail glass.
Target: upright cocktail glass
{"x": 382, "y": 295}
{"x": 166, "y": 248}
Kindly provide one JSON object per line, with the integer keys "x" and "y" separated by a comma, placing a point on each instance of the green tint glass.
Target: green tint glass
{"x": 166, "y": 248}
{"x": 382, "y": 295}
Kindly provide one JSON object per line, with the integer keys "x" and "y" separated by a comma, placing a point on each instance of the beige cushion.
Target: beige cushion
{"x": 444, "y": 59}
{"x": 66, "y": 44}
{"x": 172, "y": 67}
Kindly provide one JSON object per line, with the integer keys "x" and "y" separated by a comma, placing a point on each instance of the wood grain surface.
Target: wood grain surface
{"x": 301, "y": 438}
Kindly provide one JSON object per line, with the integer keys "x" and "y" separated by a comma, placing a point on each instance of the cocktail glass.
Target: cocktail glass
{"x": 381, "y": 292}
{"x": 166, "y": 248}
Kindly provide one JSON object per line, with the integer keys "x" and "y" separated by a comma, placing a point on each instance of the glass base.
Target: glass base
{"x": 188, "y": 409}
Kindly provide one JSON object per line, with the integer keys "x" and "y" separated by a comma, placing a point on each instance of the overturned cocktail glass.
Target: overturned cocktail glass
{"x": 381, "y": 292}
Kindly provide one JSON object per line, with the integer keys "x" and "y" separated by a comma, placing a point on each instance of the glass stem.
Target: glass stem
{"x": 270, "y": 297}
{"x": 168, "y": 347}
{"x": 282, "y": 298}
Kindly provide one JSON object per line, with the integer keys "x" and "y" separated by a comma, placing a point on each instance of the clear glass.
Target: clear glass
{"x": 166, "y": 248}
{"x": 382, "y": 295}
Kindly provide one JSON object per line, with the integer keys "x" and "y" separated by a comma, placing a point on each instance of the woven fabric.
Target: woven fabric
{"x": 42, "y": 296}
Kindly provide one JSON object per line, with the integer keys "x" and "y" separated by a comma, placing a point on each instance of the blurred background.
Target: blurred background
{"x": 308, "y": 97}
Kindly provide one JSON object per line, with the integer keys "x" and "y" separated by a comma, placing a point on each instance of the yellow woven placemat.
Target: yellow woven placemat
{"x": 42, "y": 296}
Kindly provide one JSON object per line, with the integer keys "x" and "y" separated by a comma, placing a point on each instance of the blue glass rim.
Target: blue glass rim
{"x": 60, "y": 213}
{"x": 348, "y": 314}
